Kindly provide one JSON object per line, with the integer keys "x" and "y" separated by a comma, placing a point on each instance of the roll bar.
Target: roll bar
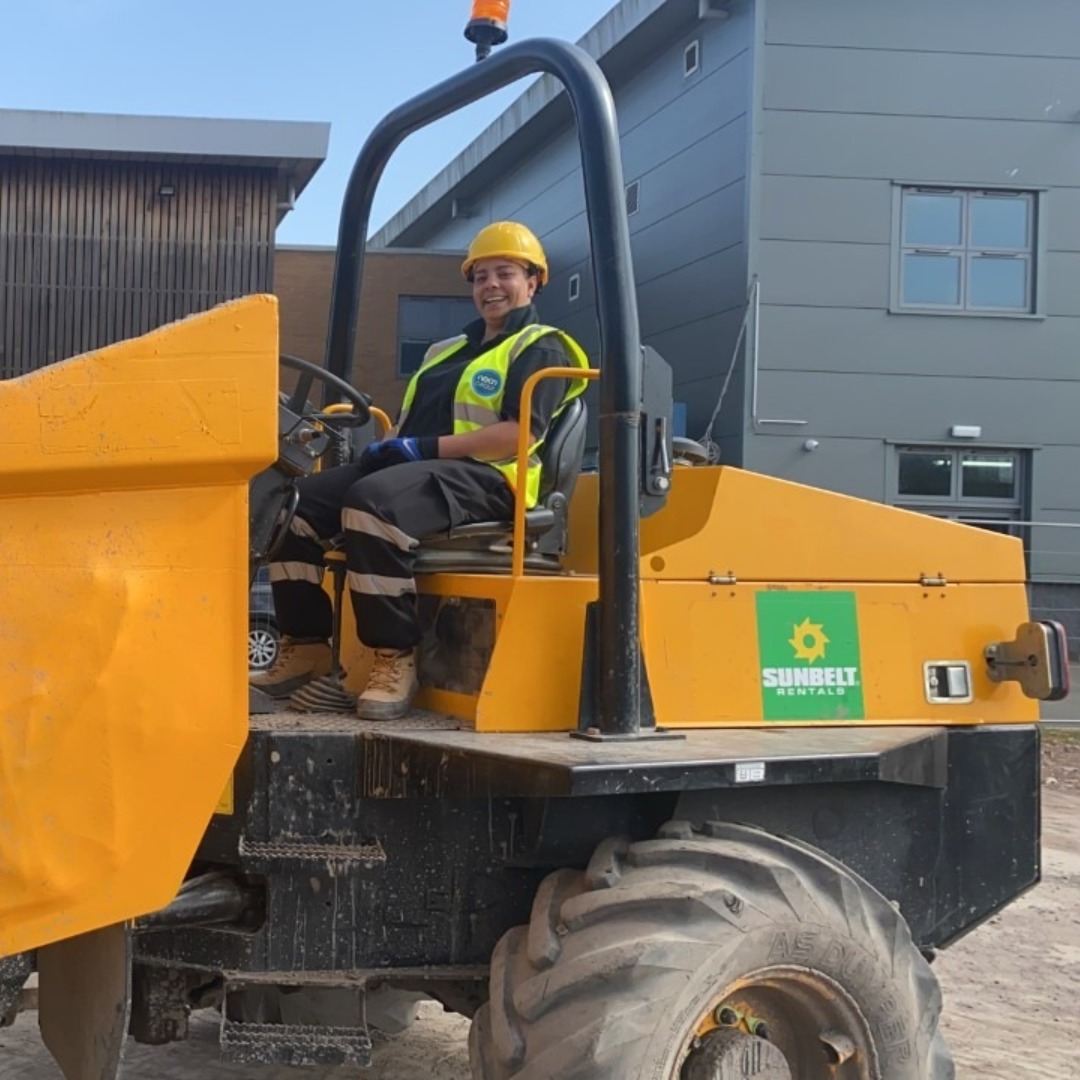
{"x": 619, "y": 658}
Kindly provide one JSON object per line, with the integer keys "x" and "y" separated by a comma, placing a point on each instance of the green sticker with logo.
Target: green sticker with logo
{"x": 810, "y": 663}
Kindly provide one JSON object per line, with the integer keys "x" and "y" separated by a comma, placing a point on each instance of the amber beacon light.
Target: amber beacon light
{"x": 488, "y": 25}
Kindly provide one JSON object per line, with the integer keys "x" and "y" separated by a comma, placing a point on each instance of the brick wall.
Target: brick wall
{"x": 302, "y": 279}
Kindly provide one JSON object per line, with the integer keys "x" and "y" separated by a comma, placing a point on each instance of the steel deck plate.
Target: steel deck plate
{"x": 429, "y": 755}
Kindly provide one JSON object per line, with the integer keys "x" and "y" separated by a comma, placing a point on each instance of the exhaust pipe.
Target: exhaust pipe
{"x": 202, "y": 901}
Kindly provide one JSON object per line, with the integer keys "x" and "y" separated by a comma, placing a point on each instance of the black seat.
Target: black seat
{"x": 485, "y": 546}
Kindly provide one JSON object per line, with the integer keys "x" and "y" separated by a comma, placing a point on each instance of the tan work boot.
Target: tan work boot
{"x": 391, "y": 686}
{"x": 297, "y": 663}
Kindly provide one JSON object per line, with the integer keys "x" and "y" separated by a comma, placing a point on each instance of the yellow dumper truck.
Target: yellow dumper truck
{"x": 705, "y": 765}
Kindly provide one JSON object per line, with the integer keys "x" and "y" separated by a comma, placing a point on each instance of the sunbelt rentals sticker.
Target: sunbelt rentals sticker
{"x": 810, "y": 663}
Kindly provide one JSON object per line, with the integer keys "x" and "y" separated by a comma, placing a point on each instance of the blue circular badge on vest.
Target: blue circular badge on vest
{"x": 486, "y": 383}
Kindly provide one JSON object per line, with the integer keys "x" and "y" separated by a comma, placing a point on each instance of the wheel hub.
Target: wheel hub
{"x": 727, "y": 1054}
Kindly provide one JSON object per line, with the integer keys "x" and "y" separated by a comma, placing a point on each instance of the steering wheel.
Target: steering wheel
{"x": 274, "y": 493}
{"x": 311, "y": 373}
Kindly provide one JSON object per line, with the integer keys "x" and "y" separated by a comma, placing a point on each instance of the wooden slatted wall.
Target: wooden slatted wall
{"x": 92, "y": 252}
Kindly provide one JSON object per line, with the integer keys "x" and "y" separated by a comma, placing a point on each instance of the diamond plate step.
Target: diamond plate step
{"x": 299, "y": 851}
{"x": 295, "y": 1045}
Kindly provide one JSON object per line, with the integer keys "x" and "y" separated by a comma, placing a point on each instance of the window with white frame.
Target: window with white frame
{"x": 981, "y": 487}
{"x": 967, "y": 250}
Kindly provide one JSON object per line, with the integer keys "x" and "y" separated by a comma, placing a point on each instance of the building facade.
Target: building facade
{"x": 113, "y": 225}
{"x": 856, "y": 235}
{"x": 408, "y": 300}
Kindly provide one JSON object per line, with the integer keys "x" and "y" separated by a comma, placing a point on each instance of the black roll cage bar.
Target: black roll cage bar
{"x": 619, "y": 668}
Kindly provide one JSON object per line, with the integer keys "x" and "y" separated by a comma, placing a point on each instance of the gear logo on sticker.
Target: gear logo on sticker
{"x": 486, "y": 383}
{"x": 811, "y": 665}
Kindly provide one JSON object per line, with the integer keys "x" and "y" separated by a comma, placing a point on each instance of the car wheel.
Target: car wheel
{"x": 263, "y": 644}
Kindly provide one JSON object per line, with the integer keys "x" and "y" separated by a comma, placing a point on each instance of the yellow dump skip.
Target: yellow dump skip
{"x": 123, "y": 613}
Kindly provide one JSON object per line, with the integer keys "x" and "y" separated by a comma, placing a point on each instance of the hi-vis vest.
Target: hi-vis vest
{"x": 478, "y": 399}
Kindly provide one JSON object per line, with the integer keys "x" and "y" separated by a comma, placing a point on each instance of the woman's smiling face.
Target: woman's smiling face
{"x": 499, "y": 286}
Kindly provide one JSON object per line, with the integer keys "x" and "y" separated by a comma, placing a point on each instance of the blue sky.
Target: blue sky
{"x": 344, "y": 61}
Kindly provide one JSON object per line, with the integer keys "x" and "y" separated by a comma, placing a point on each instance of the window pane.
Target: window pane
{"x": 925, "y": 473}
{"x": 455, "y": 314}
{"x": 1000, "y": 221}
{"x": 411, "y": 356}
{"x": 418, "y": 318}
{"x": 933, "y": 220}
{"x": 431, "y": 318}
{"x": 423, "y": 320}
{"x": 988, "y": 476}
{"x": 998, "y": 283}
{"x": 932, "y": 279}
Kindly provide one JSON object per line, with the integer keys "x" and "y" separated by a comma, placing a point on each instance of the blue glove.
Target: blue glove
{"x": 386, "y": 452}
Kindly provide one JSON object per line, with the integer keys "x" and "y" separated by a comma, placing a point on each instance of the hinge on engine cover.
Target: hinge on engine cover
{"x": 1037, "y": 658}
{"x": 928, "y": 582}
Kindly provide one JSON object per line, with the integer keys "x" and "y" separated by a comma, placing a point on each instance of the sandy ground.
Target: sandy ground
{"x": 1012, "y": 989}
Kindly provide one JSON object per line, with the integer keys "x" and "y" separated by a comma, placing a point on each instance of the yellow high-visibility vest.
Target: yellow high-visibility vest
{"x": 478, "y": 398}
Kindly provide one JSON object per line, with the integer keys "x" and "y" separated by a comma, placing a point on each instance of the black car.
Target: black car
{"x": 264, "y": 640}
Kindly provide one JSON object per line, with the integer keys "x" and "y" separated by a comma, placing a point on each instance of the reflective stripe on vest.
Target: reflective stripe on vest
{"x": 478, "y": 397}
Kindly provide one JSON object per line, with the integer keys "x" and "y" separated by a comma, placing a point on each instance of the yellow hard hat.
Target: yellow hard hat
{"x": 508, "y": 240}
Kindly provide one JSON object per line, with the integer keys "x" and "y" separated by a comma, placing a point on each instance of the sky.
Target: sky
{"x": 348, "y": 62}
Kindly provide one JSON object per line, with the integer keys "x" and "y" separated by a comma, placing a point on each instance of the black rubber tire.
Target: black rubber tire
{"x": 619, "y": 962}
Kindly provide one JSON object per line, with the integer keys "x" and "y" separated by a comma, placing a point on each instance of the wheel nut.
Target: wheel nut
{"x": 760, "y": 1029}
{"x": 727, "y": 1016}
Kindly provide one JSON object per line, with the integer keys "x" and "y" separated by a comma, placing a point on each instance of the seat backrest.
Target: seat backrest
{"x": 562, "y": 452}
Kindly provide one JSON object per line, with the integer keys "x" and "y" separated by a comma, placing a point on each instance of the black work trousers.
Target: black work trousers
{"x": 384, "y": 516}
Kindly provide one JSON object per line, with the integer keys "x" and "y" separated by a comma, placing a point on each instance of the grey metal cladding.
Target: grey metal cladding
{"x": 1061, "y": 209}
{"x": 849, "y": 465}
{"x": 1062, "y": 286}
{"x": 970, "y": 92}
{"x": 916, "y": 83}
{"x": 920, "y": 407}
{"x": 705, "y": 347}
{"x": 835, "y": 339}
{"x": 709, "y": 227}
{"x": 672, "y": 300}
{"x": 929, "y": 150}
{"x": 1035, "y": 28}
{"x": 815, "y": 274}
{"x": 658, "y": 127}
{"x": 825, "y": 209}
{"x": 455, "y": 233}
{"x": 561, "y": 201}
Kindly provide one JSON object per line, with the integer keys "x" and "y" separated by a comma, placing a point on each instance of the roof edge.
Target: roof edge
{"x": 65, "y": 133}
{"x": 295, "y": 149}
